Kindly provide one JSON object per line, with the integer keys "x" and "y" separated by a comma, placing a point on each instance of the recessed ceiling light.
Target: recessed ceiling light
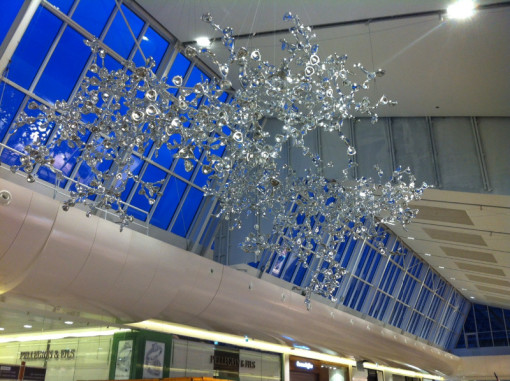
{"x": 68, "y": 322}
{"x": 461, "y": 9}
{"x": 452, "y": 278}
{"x": 410, "y": 238}
{"x": 428, "y": 254}
{"x": 441, "y": 267}
{"x": 203, "y": 41}
{"x": 2, "y": 328}
{"x": 464, "y": 289}
{"x": 27, "y": 326}
{"x": 472, "y": 297}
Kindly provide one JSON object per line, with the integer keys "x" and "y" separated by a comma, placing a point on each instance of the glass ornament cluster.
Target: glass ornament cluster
{"x": 116, "y": 113}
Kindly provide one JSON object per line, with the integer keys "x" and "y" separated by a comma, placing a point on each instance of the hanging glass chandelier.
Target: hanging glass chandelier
{"x": 116, "y": 113}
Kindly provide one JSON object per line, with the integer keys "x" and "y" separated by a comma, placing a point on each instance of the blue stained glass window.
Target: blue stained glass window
{"x": 188, "y": 211}
{"x": 152, "y": 174}
{"x": 64, "y": 67}
{"x": 10, "y": 101}
{"x": 179, "y": 67}
{"x": 9, "y": 12}
{"x": 152, "y": 45}
{"x": 119, "y": 37}
{"x": 93, "y": 14}
{"x": 33, "y": 47}
{"x": 168, "y": 203}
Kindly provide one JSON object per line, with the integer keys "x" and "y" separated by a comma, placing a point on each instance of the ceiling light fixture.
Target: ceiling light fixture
{"x": 28, "y": 326}
{"x": 118, "y": 112}
{"x": 44, "y": 336}
{"x": 2, "y": 329}
{"x": 69, "y": 322}
{"x": 461, "y": 9}
{"x": 428, "y": 254}
{"x": 203, "y": 42}
{"x": 441, "y": 267}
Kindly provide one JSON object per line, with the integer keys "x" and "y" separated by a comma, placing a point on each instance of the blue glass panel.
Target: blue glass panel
{"x": 462, "y": 342}
{"x": 289, "y": 272}
{"x": 507, "y": 319}
{"x": 152, "y": 174}
{"x": 33, "y": 47}
{"x": 497, "y": 319}
{"x": 181, "y": 170}
{"x": 168, "y": 203}
{"x": 201, "y": 179}
{"x": 119, "y": 37}
{"x": 301, "y": 272}
{"x": 179, "y": 67}
{"x": 111, "y": 63}
{"x": 10, "y": 101}
{"x": 62, "y": 5}
{"x": 164, "y": 156}
{"x": 472, "y": 341}
{"x": 64, "y": 68}
{"x": 500, "y": 338}
{"x": 482, "y": 318}
{"x": 65, "y": 160}
{"x": 152, "y": 45}
{"x": 93, "y": 14}
{"x": 9, "y": 12}
{"x": 196, "y": 76}
{"x": 485, "y": 339}
{"x": 24, "y": 136}
{"x": 187, "y": 213}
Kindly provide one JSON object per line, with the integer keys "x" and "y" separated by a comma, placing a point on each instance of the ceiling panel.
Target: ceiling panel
{"x": 468, "y": 254}
{"x": 434, "y": 213}
{"x": 483, "y": 279}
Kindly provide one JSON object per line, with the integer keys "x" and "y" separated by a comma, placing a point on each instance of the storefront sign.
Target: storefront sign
{"x": 304, "y": 364}
{"x": 229, "y": 361}
{"x": 10, "y": 372}
{"x": 65, "y": 354}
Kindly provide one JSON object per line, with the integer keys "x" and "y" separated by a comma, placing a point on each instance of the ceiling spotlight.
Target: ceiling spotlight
{"x": 411, "y": 238}
{"x": 203, "y": 41}
{"x": 441, "y": 267}
{"x": 428, "y": 254}
{"x": 27, "y": 326}
{"x": 472, "y": 297}
{"x": 68, "y": 322}
{"x": 461, "y": 9}
{"x": 464, "y": 289}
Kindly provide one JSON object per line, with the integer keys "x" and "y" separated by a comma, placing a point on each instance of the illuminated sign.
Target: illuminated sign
{"x": 304, "y": 364}
{"x": 65, "y": 354}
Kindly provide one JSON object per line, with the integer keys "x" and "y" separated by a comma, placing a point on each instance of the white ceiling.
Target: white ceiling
{"x": 468, "y": 238}
{"x": 433, "y": 67}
